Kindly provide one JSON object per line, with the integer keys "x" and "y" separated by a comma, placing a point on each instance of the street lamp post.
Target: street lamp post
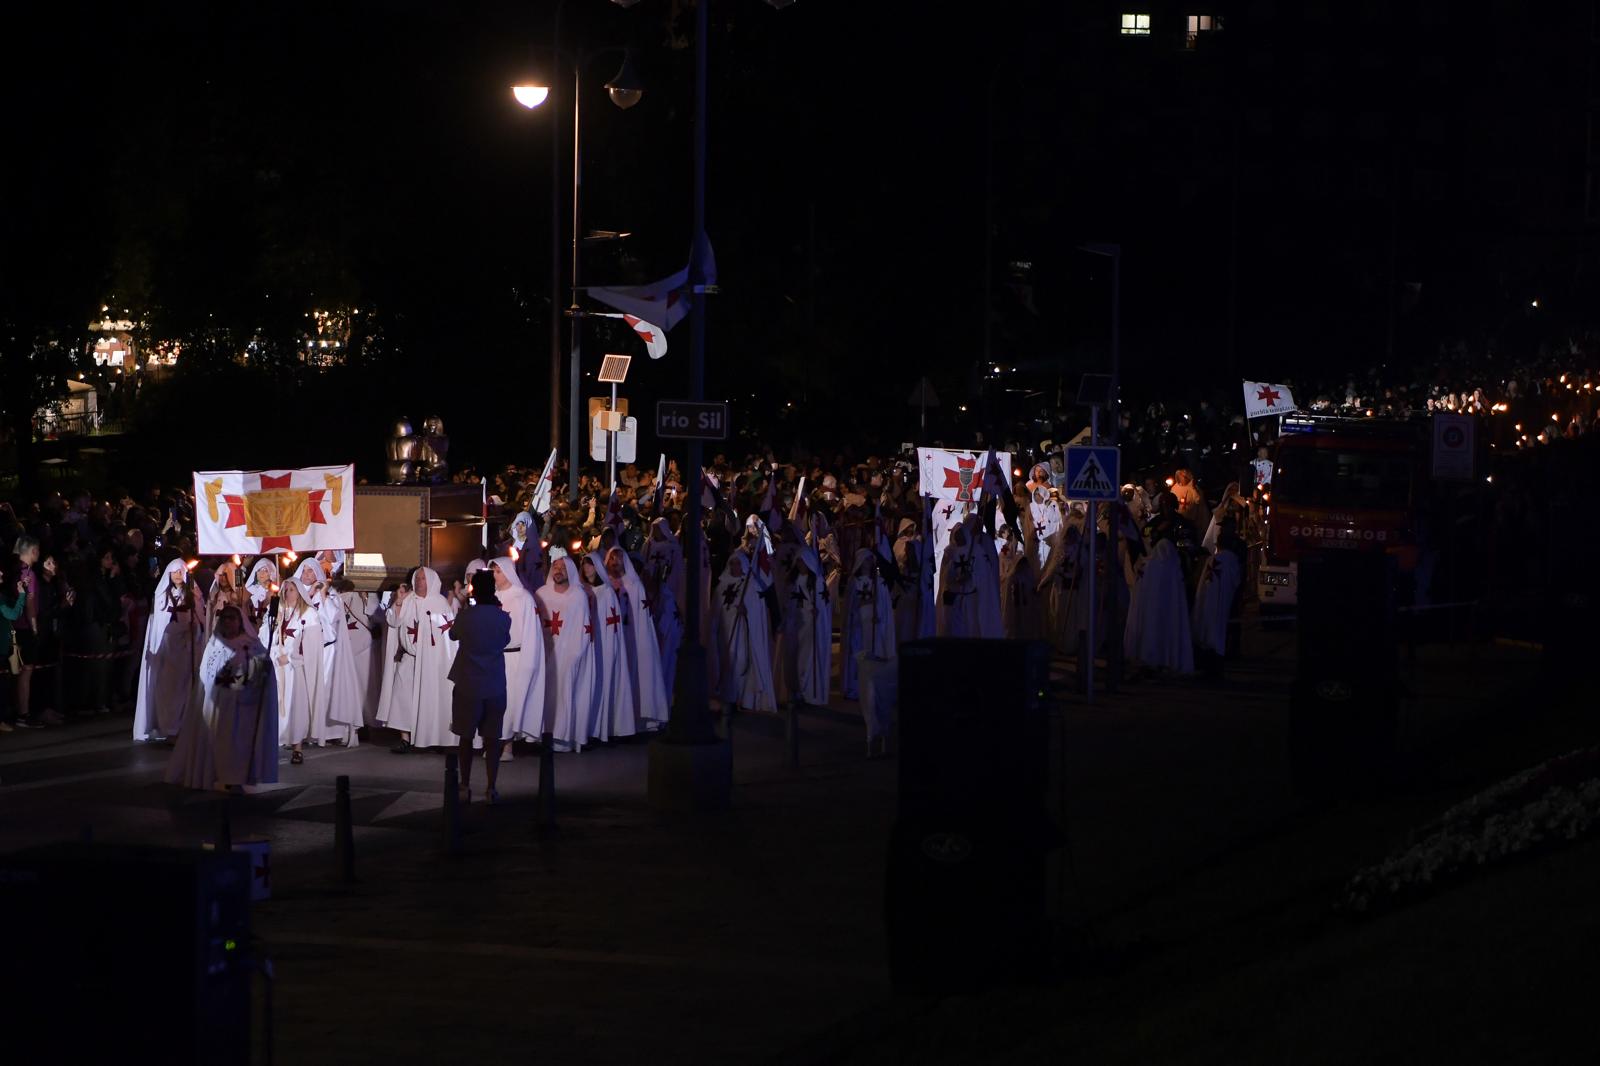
{"x": 624, "y": 90}
{"x": 1114, "y": 253}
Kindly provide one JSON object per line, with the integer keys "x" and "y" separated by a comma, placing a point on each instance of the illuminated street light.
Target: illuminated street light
{"x": 530, "y": 96}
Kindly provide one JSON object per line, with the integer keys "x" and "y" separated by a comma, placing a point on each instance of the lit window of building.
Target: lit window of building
{"x": 1135, "y": 25}
{"x": 1199, "y": 24}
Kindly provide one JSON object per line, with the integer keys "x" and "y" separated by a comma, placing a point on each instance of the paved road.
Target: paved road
{"x": 637, "y": 937}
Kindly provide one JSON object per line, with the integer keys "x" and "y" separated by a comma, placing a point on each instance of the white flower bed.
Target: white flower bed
{"x": 1553, "y": 802}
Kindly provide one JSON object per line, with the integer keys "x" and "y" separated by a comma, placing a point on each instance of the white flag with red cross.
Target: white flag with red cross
{"x": 259, "y": 512}
{"x": 1262, "y": 399}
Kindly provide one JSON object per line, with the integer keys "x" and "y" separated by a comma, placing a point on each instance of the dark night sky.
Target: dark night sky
{"x": 212, "y": 159}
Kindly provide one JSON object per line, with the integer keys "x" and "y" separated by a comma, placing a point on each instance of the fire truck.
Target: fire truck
{"x": 1339, "y": 484}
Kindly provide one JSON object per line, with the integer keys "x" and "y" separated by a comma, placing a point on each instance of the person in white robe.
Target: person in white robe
{"x": 957, "y": 588}
{"x": 417, "y": 656}
{"x": 524, "y": 656}
{"x": 337, "y": 711}
{"x": 461, "y": 592}
{"x": 614, "y": 689}
{"x": 363, "y": 625}
{"x": 969, "y": 578}
{"x": 1158, "y": 633}
{"x": 569, "y": 656}
{"x": 875, "y": 650}
{"x": 174, "y": 640}
{"x": 664, "y": 583}
{"x": 261, "y": 586}
{"x": 741, "y": 632}
{"x": 806, "y": 643}
{"x": 296, "y": 678}
{"x": 986, "y": 575}
{"x": 226, "y": 589}
{"x": 232, "y": 742}
{"x": 650, "y": 696}
{"x": 1042, "y": 520}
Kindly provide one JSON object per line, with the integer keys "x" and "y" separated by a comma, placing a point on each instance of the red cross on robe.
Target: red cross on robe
{"x": 613, "y": 619}
{"x": 553, "y": 623}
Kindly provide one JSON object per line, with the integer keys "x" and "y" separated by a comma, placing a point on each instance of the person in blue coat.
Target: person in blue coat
{"x": 478, "y": 700}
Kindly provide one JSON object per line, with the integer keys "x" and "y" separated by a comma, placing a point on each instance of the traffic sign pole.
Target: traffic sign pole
{"x": 1093, "y": 474}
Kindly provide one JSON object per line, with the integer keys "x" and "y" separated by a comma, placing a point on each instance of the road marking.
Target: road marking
{"x": 784, "y": 967}
{"x": 412, "y": 803}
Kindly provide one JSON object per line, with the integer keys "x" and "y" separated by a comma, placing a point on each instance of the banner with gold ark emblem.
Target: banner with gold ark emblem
{"x": 260, "y": 512}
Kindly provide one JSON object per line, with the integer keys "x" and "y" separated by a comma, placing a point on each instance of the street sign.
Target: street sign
{"x": 627, "y": 437}
{"x": 1092, "y": 472}
{"x": 598, "y": 404}
{"x": 1453, "y": 447}
{"x": 692, "y": 420}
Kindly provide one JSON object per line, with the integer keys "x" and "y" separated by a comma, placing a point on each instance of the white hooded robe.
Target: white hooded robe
{"x": 416, "y": 683}
{"x": 1158, "y": 632}
{"x": 742, "y": 637}
{"x": 617, "y": 715}
{"x": 570, "y": 703}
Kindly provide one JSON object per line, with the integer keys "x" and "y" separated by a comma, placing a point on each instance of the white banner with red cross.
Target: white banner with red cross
{"x": 955, "y": 481}
{"x": 260, "y": 512}
{"x": 1262, "y": 399}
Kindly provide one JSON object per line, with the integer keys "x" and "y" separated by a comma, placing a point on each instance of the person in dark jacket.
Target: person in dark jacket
{"x": 478, "y": 702}
{"x": 13, "y": 599}
{"x": 94, "y": 619}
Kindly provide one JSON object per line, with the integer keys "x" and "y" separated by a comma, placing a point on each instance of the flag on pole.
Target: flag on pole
{"x": 661, "y": 302}
{"x": 1262, "y": 399}
{"x": 545, "y": 489}
{"x": 661, "y": 485}
{"x": 654, "y": 337}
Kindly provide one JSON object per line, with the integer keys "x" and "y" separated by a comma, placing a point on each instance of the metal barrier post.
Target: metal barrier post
{"x": 452, "y": 804}
{"x": 343, "y": 832}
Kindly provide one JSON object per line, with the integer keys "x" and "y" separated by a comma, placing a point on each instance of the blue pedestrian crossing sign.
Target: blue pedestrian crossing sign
{"x": 1092, "y": 472}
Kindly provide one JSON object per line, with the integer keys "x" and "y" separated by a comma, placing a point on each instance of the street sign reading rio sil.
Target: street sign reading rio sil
{"x": 691, "y": 420}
